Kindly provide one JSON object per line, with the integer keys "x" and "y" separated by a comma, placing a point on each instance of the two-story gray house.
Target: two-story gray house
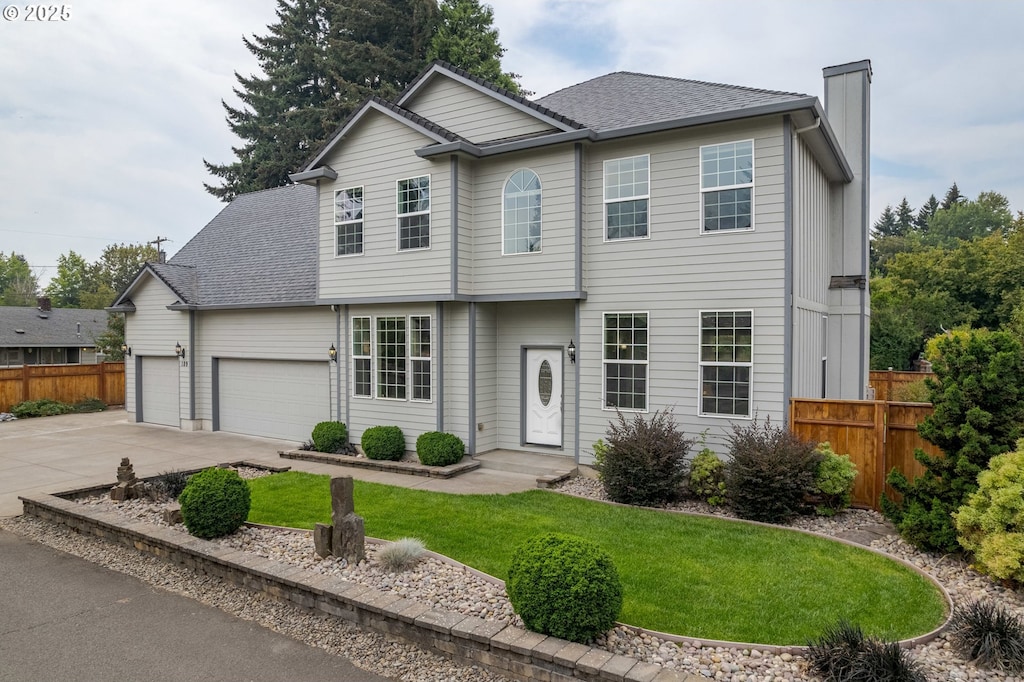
{"x": 512, "y": 271}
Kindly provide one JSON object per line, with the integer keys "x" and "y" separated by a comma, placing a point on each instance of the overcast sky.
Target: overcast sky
{"x": 105, "y": 118}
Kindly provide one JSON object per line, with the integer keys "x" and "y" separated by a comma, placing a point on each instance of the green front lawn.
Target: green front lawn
{"x": 702, "y": 577}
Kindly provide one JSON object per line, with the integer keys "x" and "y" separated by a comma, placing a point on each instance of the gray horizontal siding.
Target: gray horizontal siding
{"x": 152, "y": 330}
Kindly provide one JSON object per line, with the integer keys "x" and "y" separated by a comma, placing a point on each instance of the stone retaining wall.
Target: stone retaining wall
{"x": 505, "y": 649}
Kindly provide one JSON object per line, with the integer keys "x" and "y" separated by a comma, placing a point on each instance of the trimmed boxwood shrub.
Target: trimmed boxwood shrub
{"x": 564, "y": 586}
{"x": 330, "y": 436}
{"x": 437, "y": 449}
{"x": 383, "y": 442}
{"x": 215, "y": 502}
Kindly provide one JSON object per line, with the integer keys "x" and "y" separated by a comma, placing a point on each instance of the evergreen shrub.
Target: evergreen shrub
{"x": 833, "y": 481}
{"x": 771, "y": 473}
{"x": 215, "y": 502}
{"x": 437, "y": 449}
{"x": 645, "y": 461}
{"x": 330, "y": 436}
{"x": 564, "y": 586}
{"x": 991, "y": 524}
{"x": 89, "y": 405}
{"x": 40, "y": 408}
{"x": 383, "y": 442}
{"x": 707, "y": 477}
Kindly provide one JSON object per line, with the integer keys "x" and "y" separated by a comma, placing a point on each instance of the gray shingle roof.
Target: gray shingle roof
{"x": 625, "y": 99}
{"x": 58, "y": 328}
{"x": 261, "y": 248}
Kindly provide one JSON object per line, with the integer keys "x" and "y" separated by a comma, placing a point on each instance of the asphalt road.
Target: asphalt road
{"x": 64, "y": 618}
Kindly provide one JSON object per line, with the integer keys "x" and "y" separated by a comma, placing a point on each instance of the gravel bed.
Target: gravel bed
{"x": 452, "y": 587}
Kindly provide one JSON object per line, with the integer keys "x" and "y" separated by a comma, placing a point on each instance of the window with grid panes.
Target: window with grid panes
{"x": 625, "y": 361}
{"x": 727, "y": 186}
{"x": 726, "y": 362}
{"x": 391, "y": 358}
{"x": 419, "y": 354}
{"x": 626, "y": 196}
{"x": 414, "y": 213}
{"x": 348, "y": 221}
{"x": 521, "y": 213}
{"x": 362, "y": 342}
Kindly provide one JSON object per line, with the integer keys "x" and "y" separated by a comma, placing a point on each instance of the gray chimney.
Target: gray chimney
{"x": 848, "y": 109}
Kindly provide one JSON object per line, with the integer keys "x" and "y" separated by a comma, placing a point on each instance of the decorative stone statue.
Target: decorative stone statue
{"x": 346, "y": 537}
{"x": 128, "y": 486}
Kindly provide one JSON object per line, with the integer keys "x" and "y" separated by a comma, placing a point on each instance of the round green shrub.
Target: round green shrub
{"x": 215, "y": 502}
{"x": 707, "y": 477}
{"x": 436, "y": 449}
{"x": 991, "y": 524}
{"x": 330, "y": 436}
{"x": 383, "y": 442}
{"x": 564, "y": 586}
{"x": 833, "y": 481}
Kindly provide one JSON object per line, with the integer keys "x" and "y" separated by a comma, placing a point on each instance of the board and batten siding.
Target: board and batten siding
{"x": 474, "y": 115}
{"x": 152, "y": 330}
{"x": 550, "y": 269}
{"x": 260, "y": 334}
{"x": 811, "y": 194}
{"x": 414, "y": 417}
{"x": 678, "y": 272}
{"x": 377, "y": 153}
{"x": 540, "y": 323}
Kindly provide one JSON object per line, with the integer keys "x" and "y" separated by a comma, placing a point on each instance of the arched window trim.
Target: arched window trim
{"x": 505, "y": 192}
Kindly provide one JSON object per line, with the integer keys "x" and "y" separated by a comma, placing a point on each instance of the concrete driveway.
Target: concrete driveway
{"x": 55, "y": 454}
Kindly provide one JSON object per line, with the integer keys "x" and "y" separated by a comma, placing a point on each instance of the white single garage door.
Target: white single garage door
{"x": 160, "y": 391}
{"x": 273, "y": 398}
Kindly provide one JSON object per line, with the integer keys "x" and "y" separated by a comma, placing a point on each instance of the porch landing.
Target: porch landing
{"x": 549, "y": 470}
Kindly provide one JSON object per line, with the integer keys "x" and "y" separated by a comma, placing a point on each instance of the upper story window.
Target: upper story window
{"x": 521, "y": 213}
{"x": 627, "y": 190}
{"x": 414, "y": 213}
{"x": 727, "y": 186}
{"x": 348, "y": 221}
{"x": 726, "y": 362}
{"x": 625, "y": 361}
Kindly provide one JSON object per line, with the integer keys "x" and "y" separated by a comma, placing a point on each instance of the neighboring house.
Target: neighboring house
{"x": 515, "y": 271}
{"x": 49, "y": 336}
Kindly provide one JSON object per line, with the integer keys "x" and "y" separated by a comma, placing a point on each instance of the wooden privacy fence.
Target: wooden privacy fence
{"x": 878, "y": 435}
{"x": 66, "y": 383}
{"x": 885, "y": 382}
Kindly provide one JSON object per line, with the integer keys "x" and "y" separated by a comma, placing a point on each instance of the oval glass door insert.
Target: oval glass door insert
{"x": 544, "y": 383}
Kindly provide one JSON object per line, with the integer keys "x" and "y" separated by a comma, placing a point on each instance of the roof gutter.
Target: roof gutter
{"x": 477, "y": 151}
{"x": 242, "y": 306}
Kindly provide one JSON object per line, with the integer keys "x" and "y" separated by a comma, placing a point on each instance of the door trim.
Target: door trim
{"x": 522, "y": 396}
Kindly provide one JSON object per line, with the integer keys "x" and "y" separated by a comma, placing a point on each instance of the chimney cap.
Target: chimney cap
{"x": 849, "y": 67}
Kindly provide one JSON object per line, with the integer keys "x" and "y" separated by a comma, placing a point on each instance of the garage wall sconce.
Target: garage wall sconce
{"x": 126, "y": 349}
{"x": 571, "y": 350}
{"x": 332, "y": 352}
{"x": 179, "y": 350}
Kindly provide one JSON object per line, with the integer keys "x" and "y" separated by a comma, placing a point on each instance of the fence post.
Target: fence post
{"x": 881, "y": 450}
{"x": 103, "y": 383}
{"x": 24, "y": 382}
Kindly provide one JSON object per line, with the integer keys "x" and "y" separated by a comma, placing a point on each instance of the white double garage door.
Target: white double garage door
{"x": 268, "y": 398}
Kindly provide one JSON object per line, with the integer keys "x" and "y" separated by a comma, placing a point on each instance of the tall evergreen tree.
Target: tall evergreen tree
{"x": 885, "y": 226}
{"x": 904, "y": 218}
{"x": 318, "y": 61}
{"x": 927, "y": 210}
{"x": 466, "y": 38}
{"x": 952, "y": 198}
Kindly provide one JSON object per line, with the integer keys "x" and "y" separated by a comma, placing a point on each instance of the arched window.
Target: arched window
{"x": 521, "y": 215}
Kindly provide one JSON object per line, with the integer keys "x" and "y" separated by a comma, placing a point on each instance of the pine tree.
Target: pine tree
{"x": 885, "y": 226}
{"x": 466, "y": 38}
{"x": 924, "y": 215}
{"x": 952, "y": 198}
{"x": 904, "y": 218}
{"x": 319, "y": 61}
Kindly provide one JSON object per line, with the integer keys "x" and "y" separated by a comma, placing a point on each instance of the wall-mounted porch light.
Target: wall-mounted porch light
{"x": 572, "y": 352}
{"x": 126, "y": 349}
{"x": 179, "y": 350}
{"x": 332, "y": 352}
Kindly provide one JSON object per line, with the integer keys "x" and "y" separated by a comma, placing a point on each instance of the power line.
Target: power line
{"x": 69, "y": 236}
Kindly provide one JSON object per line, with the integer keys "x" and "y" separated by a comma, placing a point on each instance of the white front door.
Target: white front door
{"x": 543, "y": 396}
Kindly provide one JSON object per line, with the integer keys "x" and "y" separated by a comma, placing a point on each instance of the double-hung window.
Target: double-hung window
{"x": 727, "y": 186}
{"x": 362, "y": 343}
{"x": 625, "y": 361}
{"x": 521, "y": 213}
{"x": 726, "y": 362}
{"x": 348, "y": 221}
{"x": 627, "y": 191}
{"x": 391, "y": 358}
{"x": 414, "y": 213}
{"x": 419, "y": 352}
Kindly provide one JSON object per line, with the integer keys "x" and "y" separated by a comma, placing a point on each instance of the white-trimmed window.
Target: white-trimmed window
{"x": 362, "y": 345}
{"x": 348, "y": 221}
{"x": 391, "y": 358}
{"x": 521, "y": 213}
{"x": 726, "y": 362}
{"x": 727, "y": 186}
{"x": 625, "y": 361}
{"x": 419, "y": 352}
{"x": 414, "y": 213}
{"x": 627, "y": 192}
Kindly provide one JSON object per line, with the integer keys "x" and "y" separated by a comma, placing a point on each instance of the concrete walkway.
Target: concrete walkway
{"x": 53, "y": 454}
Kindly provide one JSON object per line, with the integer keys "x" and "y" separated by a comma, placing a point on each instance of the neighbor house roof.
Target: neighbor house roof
{"x": 59, "y": 327}
{"x": 625, "y": 100}
{"x": 260, "y": 250}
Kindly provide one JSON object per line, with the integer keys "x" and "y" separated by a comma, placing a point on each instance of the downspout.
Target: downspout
{"x": 343, "y": 350}
{"x": 788, "y": 316}
{"x": 439, "y": 316}
{"x": 454, "y": 211}
{"x": 578, "y": 159}
{"x": 472, "y": 378}
{"x": 576, "y": 374}
{"x": 865, "y": 247}
{"x": 192, "y": 366}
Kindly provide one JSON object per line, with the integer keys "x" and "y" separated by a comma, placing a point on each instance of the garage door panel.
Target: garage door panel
{"x": 160, "y": 397}
{"x": 271, "y": 398}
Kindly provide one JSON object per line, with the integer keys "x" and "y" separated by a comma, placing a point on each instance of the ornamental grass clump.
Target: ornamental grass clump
{"x": 987, "y": 635}
{"x": 564, "y": 586}
{"x": 645, "y": 460}
{"x": 401, "y": 554}
{"x": 383, "y": 442}
{"x": 437, "y": 449}
{"x": 845, "y": 654}
{"x": 214, "y": 503}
